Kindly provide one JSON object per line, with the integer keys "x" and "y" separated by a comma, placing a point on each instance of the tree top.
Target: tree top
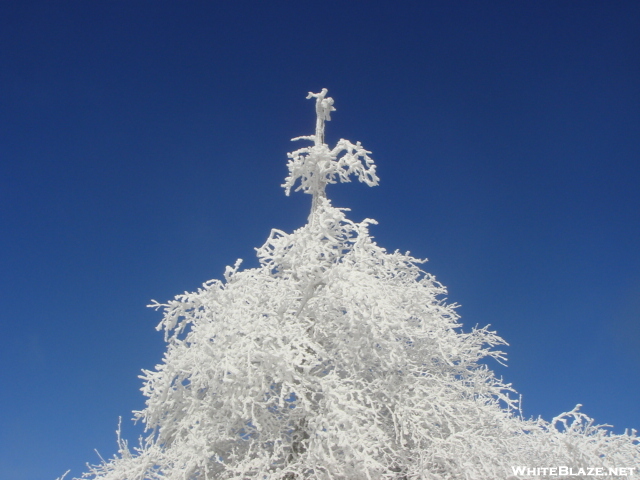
{"x": 318, "y": 165}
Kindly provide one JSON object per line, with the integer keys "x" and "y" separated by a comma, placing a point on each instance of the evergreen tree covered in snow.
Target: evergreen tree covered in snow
{"x": 335, "y": 359}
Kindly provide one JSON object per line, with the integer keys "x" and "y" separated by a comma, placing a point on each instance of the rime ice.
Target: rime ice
{"x": 318, "y": 165}
{"x": 335, "y": 359}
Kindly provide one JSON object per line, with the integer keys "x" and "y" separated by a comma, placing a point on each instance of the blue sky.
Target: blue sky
{"x": 143, "y": 144}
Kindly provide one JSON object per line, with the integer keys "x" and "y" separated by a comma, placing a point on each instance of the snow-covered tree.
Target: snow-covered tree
{"x": 336, "y": 359}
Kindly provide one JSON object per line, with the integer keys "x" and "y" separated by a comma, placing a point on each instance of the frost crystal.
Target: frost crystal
{"x": 335, "y": 359}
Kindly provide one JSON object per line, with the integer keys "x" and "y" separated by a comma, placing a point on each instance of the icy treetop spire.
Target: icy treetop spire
{"x": 324, "y": 107}
{"x": 318, "y": 165}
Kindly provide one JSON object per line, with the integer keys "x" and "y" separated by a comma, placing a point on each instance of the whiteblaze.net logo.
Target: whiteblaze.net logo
{"x": 538, "y": 472}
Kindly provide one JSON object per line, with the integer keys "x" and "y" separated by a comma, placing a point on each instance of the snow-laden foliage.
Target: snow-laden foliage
{"x": 319, "y": 165}
{"x": 335, "y": 359}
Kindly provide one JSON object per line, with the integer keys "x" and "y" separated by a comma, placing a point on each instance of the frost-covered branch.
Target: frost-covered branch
{"x": 318, "y": 165}
{"x": 324, "y": 107}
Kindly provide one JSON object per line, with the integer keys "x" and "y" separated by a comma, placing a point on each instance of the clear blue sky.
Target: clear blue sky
{"x": 143, "y": 144}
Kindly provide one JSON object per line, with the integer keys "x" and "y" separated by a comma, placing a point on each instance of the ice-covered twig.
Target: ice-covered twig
{"x": 324, "y": 107}
{"x": 318, "y": 165}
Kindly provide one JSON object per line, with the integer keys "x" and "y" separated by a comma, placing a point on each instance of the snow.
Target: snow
{"x": 335, "y": 359}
